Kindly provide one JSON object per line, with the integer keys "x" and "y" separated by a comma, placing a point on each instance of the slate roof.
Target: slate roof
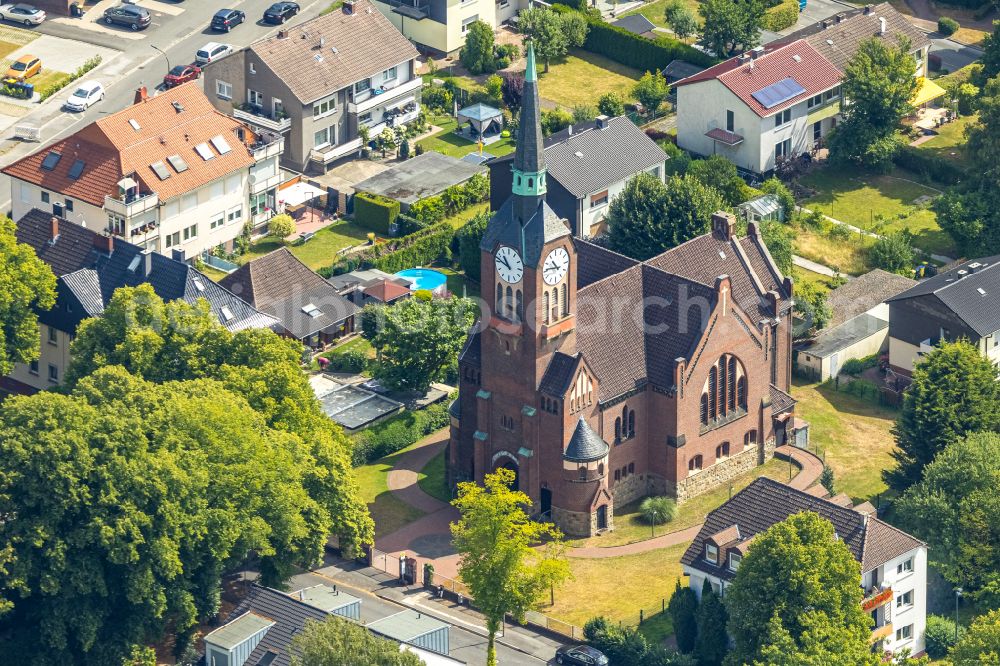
{"x": 426, "y": 175}
{"x": 864, "y": 293}
{"x": 355, "y": 47}
{"x": 285, "y": 288}
{"x": 112, "y": 149}
{"x": 594, "y": 263}
{"x": 766, "y": 502}
{"x": 971, "y": 290}
{"x": 558, "y": 375}
{"x": 637, "y": 24}
{"x": 470, "y": 353}
{"x": 92, "y": 276}
{"x": 541, "y": 228}
{"x": 585, "y": 445}
{"x": 780, "y": 401}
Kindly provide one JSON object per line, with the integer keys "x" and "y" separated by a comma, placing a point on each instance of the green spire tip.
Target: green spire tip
{"x": 530, "y": 73}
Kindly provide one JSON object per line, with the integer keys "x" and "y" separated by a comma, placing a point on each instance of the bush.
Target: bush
{"x": 862, "y": 388}
{"x": 947, "y": 26}
{"x": 469, "y": 237}
{"x": 839, "y": 232}
{"x": 477, "y": 53}
{"x": 63, "y": 81}
{"x": 375, "y": 212}
{"x": 893, "y": 253}
{"x": 856, "y": 366}
{"x": 583, "y": 113}
{"x": 437, "y": 98}
{"x": 781, "y": 16}
{"x": 939, "y": 637}
{"x": 658, "y": 510}
{"x": 512, "y": 89}
{"x": 281, "y": 226}
{"x": 555, "y": 120}
{"x": 611, "y": 104}
{"x": 418, "y": 249}
{"x": 397, "y": 433}
{"x": 354, "y": 361}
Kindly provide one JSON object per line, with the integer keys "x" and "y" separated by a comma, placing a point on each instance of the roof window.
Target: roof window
{"x": 160, "y": 169}
{"x": 76, "y": 170}
{"x": 51, "y": 160}
{"x": 204, "y": 151}
{"x": 220, "y": 144}
{"x": 178, "y": 163}
{"x": 135, "y": 124}
{"x": 311, "y": 310}
{"x": 225, "y": 314}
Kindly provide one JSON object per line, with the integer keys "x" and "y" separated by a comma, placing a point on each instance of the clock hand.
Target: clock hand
{"x": 504, "y": 260}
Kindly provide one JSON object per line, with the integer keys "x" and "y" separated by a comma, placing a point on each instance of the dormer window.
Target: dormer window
{"x": 734, "y": 561}
{"x": 711, "y": 553}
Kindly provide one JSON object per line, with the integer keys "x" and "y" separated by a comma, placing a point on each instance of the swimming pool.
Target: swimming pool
{"x": 424, "y": 278}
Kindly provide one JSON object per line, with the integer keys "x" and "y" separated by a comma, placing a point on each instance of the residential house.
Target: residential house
{"x": 318, "y": 82}
{"x": 780, "y": 100}
{"x": 89, "y": 267}
{"x": 858, "y": 328}
{"x": 588, "y": 166}
{"x": 362, "y": 287}
{"x": 309, "y": 308}
{"x": 893, "y": 563}
{"x": 637, "y": 24}
{"x": 440, "y": 26}
{"x": 169, "y": 173}
{"x": 963, "y": 302}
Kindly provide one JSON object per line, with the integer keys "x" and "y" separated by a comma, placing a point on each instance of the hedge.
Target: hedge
{"x": 646, "y": 55}
{"x": 781, "y": 16}
{"x": 63, "y": 81}
{"x": 928, "y": 165}
{"x": 397, "y": 433}
{"x": 947, "y": 26}
{"x": 375, "y": 212}
{"x": 418, "y": 249}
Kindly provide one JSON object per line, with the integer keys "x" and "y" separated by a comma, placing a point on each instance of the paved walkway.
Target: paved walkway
{"x": 402, "y": 479}
{"x": 810, "y": 265}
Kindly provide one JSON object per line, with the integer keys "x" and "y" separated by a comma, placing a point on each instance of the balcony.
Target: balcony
{"x": 268, "y": 144}
{"x": 132, "y": 205}
{"x": 879, "y": 633}
{"x": 414, "y": 9}
{"x": 259, "y": 184}
{"x": 387, "y": 97}
{"x": 256, "y": 116}
{"x": 330, "y": 153}
{"x": 876, "y": 597}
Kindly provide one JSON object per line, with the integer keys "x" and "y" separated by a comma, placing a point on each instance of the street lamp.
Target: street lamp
{"x": 958, "y": 594}
{"x": 161, "y": 52}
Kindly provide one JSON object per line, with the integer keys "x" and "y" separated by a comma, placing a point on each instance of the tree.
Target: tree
{"x": 713, "y": 641}
{"x": 281, "y": 226}
{"x": 649, "y": 216}
{"x": 416, "y": 340}
{"x": 954, "y": 508}
{"x": 778, "y": 239}
{"x": 468, "y": 239}
{"x": 650, "y": 91}
{"x": 26, "y": 285}
{"x": 954, "y": 392}
{"x": 683, "y": 609}
{"x": 145, "y": 494}
{"x": 386, "y": 141}
{"x": 893, "y": 253}
{"x": 552, "y": 34}
{"x": 811, "y": 305}
{"x": 611, "y": 104}
{"x": 342, "y": 642}
{"x": 980, "y": 645}
{"x": 583, "y": 113}
{"x": 681, "y": 19}
{"x": 820, "y": 644}
{"x": 796, "y": 577}
{"x": 989, "y": 62}
{"x": 720, "y": 174}
{"x": 477, "y": 53}
{"x": 774, "y": 186}
{"x": 878, "y": 85}
{"x": 494, "y": 539}
{"x": 826, "y": 479}
{"x": 512, "y": 89}
{"x": 732, "y": 26}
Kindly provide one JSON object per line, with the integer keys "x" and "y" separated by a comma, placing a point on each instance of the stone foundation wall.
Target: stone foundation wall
{"x": 723, "y": 472}
{"x": 631, "y": 488}
{"x": 574, "y": 523}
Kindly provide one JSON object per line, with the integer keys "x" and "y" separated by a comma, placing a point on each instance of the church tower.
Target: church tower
{"x": 529, "y": 156}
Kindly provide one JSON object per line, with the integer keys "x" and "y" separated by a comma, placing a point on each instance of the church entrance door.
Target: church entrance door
{"x": 507, "y": 463}
{"x": 602, "y": 517}
{"x": 546, "y": 501}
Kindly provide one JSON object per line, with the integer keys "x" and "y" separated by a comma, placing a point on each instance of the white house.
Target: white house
{"x": 169, "y": 173}
{"x": 893, "y": 563}
{"x": 780, "y": 100}
{"x": 441, "y": 25}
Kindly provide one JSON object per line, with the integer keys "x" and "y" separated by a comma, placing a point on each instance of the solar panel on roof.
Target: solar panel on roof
{"x": 51, "y": 160}
{"x": 76, "y": 170}
{"x": 178, "y": 163}
{"x": 221, "y": 144}
{"x": 779, "y": 92}
{"x": 204, "y": 151}
{"x": 160, "y": 169}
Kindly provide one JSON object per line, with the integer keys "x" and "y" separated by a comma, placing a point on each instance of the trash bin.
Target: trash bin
{"x": 28, "y": 90}
{"x": 75, "y": 10}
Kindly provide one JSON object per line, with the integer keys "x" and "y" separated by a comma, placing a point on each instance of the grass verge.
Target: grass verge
{"x": 388, "y": 512}
{"x": 431, "y": 478}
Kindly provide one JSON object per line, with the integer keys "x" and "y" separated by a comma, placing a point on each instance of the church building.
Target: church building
{"x": 599, "y": 379}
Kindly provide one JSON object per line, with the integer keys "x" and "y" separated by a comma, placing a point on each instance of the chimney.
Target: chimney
{"x": 147, "y": 263}
{"x": 348, "y": 7}
{"x": 823, "y": 25}
{"x": 868, "y": 9}
{"x": 723, "y": 225}
{"x": 282, "y": 34}
{"x": 104, "y": 243}
{"x": 322, "y": 42}
{"x": 141, "y": 95}
{"x": 53, "y": 229}
{"x": 881, "y": 25}
{"x": 840, "y": 17}
{"x": 602, "y": 121}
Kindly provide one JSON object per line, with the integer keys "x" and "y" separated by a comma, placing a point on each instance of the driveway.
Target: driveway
{"x": 62, "y": 55}
{"x": 954, "y": 56}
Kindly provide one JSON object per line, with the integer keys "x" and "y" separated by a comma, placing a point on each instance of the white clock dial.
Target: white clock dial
{"x": 509, "y": 265}
{"x": 556, "y": 265}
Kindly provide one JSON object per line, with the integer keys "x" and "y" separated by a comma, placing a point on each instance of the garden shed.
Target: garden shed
{"x": 763, "y": 208}
{"x": 423, "y": 176}
{"x": 415, "y": 628}
{"x": 480, "y": 122}
{"x": 856, "y": 338}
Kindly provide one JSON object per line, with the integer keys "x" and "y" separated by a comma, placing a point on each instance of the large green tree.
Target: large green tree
{"x": 719, "y": 173}
{"x": 477, "y": 53}
{"x": 125, "y": 501}
{"x": 26, "y": 285}
{"x": 955, "y": 508}
{"x": 713, "y": 641}
{"x": 990, "y": 59}
{"x": 552, "y": 34}
{"x": 650, "y": 91}
{"x": 732, "y": 26}
{"x": 820, "y": 643}
{"x": 796, "y": 576}
{"x": 494, "y": 539}
{"x": 345, "y": 643}
{"x": 954, "y": 392}
{"x": 648, "y": 216}
{"x": 683, "y": 609}
{"x": 681, "y": 18}
{"x": 980, "y": 644}
{"x": 416, "y": 340}
{"x": 878, "y": 85}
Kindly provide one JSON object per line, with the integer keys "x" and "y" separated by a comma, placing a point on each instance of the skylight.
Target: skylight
{"x": 135, "y": 124}
{"x": 204, "y": 151}
{"x": 198, "y": 284}
{"x": 76, "y": 170}
{"x": 134, "y": 264}
{"x": 51, "y": 160}
{"x": 178, "y": 163}
{"x": 220, "y": 144}
{"x": 225, "y": 314}
{"x": 160, "y": 169}
{"x": 311, "y": 310}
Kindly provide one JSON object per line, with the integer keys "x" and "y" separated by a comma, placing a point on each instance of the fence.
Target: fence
{"x": 552, "y": 624}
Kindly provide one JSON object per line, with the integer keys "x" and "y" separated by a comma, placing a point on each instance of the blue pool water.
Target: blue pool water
{"x": 424, "y": 278}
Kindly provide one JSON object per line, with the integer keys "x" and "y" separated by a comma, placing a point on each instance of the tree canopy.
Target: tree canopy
{"x": 551, "y": 33}
{"x": 980, "y": 644}
{"x": 681, "y": 19}
{"x": 797, "y": 587}
{"x": 468, "y": 239}
{"x": 494, "y": 539}
{"x": 732, "y": 26}
{"x": 893, "y": 253}
{"x": 954, "y": 392}
{"x": 477, "y": 53}
{"x": 344, "y": 643}
{"x": 649, "y": 216}
{"x": 26, "y": 284}
{"x": 650, "y": 91}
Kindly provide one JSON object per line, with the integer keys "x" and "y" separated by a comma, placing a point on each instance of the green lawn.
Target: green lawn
{"x": 458, "y": 284}
{"x": 949, "y": 144}
{"x": 859, "y": 199}
{"x": 847, "y": 256}
{"x": 388, "y": 512}
{"x": 581, "y": 78}
{"x": 803, "y": 276}
{"x": 853, "y": 435}
{"x": 449, "y": 143}
{"x": 317, "y": 252}
{"x": 458, "y": 220}
{"x": 655, "y": 10}
{"x": 431, "y": 479}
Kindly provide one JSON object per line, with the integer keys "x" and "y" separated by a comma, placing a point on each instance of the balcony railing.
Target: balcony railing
{"x": 414, "y": 9}
{"x": 382, "y": 98}
{"x": 268, "y": 144}
{"x": 330, "y": 153}
{"x": 257, "y": 116}
{"x": 259, "y": 184}
{"x": 131, "y": 206}
{"x": 876, "y": 597}
{"x": 881, "y": 632}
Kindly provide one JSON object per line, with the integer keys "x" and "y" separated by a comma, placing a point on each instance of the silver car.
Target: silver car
{"x": 21, "y": 13}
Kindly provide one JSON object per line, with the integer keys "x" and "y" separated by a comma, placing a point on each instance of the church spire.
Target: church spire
{"x": 529, "y": 159}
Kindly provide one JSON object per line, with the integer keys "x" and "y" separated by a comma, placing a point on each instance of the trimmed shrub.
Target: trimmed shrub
{"x": 947, "y": 26}
{"x": 375, "y": 212}
{"x": 939, "y": 637}
{"x": 781, "y": 16}
{"x": 397, "y": 433}
{"x": 407, "y": 225}
{"x": 418, "y": 249}
{"x": 350, "y": 361}
{"x": 856, "y": 366}
{"x": 438, "y": 98}
{"x": 63, "y": 81}
{"x": 555, "y": 120}
{"x": 926, "y": 164}
{"x": 658, "y": 510}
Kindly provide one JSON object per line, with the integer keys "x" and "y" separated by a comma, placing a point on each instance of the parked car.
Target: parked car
{"x": 85, "y": 96}
{"x": 211, "y": 52}
{"x": 21, "y": 13}
{"x": 130, "y": 16}
{"x": 24, "y": 68}
{"x": 580, "y": 655}
{"x": 181, "y": 74}
{"x": 227, "y": 19}
{"x": 280, "y": 12}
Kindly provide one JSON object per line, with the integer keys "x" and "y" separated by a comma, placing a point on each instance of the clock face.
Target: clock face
{"x": 509, "y": 265}
{"x": 556, "y": 265}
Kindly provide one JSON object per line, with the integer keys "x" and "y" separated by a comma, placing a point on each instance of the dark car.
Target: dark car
{"x": 181, "y": 74}
{"x": 580, "y": 655}
{"x": 227, "y": 19}
{"x": 131, "y": 16}
{"x": 280, "y": 12}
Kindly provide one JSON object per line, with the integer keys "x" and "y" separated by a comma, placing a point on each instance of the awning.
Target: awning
{"x": 927, "y": 91}
{"x": 722, "y": 136}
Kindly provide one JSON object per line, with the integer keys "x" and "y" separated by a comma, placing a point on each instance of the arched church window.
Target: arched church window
{"x": 731, "y": 386}
{"x": 565, "y": 301}
{"x": 713, "y": 387}
{"x": 631, "y": 424}
{"x": 704, "y": 409}
{"x": 722, "y": 386}
{"x": 618, "y": 429}
{"x": 545, "y": 306}
{"x": 509, "y": 303}
{"x": 519, "y": 305}
{"x": 499, "y": 308}
{"x": 741, "y": 392}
